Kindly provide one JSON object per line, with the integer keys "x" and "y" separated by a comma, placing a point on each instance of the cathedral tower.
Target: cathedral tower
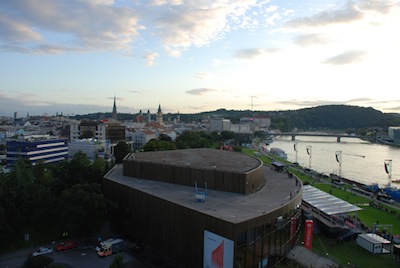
{"x": 159, "y": 115}
{"x": 114, "y": 112}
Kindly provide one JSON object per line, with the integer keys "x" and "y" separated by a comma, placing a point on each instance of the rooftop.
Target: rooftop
{"x": 231, "y": 207}
{"x": 201, "y": 158}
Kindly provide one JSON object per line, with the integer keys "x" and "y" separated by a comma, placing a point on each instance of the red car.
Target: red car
{"x": 66, "y": 246}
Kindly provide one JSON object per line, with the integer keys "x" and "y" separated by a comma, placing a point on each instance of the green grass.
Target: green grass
{"x": 348, "y": 252}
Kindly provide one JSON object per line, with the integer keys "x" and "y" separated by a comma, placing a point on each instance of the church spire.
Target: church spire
{"x": 114, "y": 112}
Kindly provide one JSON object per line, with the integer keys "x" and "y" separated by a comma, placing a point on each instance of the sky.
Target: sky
{"x": 189, "y": 56}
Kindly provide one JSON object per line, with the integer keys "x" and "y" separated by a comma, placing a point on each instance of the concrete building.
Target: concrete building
{"x": 138, "y": 138}
{"x": 242, "y": 215}
{"x": 220, "y": 124}
{"x": 394, "y": 134}
{"x": 89, "y": 147}
{"x": 37, "y": 149}
{"x": 106, "y": 132}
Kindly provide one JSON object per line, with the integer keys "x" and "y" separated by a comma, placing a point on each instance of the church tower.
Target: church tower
{"x": 114, "y": 112}
{"x": 159, "y": 115}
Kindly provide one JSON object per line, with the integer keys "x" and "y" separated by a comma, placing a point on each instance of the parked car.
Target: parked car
{"x": 42, "y": 251}
{"x": 66, "y": 246}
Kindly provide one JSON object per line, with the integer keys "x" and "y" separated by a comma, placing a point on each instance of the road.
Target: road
{"x": 76, "y": 258}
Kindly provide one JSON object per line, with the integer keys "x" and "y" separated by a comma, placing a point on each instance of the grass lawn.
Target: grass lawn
{"x": 348, "y": 252}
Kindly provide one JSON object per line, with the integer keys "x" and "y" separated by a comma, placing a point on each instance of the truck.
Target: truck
{"x": 111, "y": 247}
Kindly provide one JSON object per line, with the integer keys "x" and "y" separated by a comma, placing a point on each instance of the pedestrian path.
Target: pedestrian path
{"x": 308, "y": 258}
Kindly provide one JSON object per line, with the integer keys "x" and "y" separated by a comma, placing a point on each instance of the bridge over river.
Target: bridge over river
{"x": 294, "y": 134}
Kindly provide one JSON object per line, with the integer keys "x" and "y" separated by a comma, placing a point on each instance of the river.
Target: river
{"x": 361, "y": 161}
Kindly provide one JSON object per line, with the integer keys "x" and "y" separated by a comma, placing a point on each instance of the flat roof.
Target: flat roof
{"x": 202, "y": 158}
{"x": 374, "y": 238}
{"x": 231, "y": 207}
{"x": 329, "y": 204}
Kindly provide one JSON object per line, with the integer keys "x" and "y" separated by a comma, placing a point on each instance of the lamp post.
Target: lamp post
{"x": 309, "y": 152}
{"x": 338, "y": 155}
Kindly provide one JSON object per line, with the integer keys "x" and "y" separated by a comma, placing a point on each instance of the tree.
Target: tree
{"x": 227, "y": 135}
{"x": 151, "y": 145}
{"x": 79, "y": 169}
{"x": 37, "y": 262}
{"x": 117, "y": 261}
{"x": 120, "y": 151}
{"x": 164, "y": 137}
{"x": 82, "y": 208}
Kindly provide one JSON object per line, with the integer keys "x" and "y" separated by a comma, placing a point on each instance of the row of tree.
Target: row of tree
{"x": 64, "y": 197}
{"x": 192, "y": 139}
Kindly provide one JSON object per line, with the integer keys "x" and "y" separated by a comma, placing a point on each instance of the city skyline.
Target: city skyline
{"x": 74, "y": 57}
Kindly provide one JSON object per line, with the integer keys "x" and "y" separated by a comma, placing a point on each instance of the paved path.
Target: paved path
{"x": 309, "y": 259}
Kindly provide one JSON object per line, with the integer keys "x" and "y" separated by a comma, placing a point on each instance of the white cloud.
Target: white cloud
{"x": 151, "y": 57}
{"x": 203, "y": 75}
{"x": 80, "y": 25}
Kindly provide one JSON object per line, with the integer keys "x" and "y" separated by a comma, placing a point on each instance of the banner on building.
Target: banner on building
{"x": 218, "y": 251}
{"x": 308, "y": 234}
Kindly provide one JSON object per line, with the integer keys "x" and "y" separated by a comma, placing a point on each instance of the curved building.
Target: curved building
{"x": 241, "y": 214}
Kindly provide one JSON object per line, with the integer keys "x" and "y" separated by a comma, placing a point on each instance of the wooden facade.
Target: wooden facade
{"x": 145, "y": 210}
{"x": 172, "y": 229}
{"x": 221, "y": 180}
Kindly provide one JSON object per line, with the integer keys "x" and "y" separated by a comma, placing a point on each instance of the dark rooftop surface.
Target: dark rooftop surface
{"x": 231, "y": 207}
{"x": 201, "y": 158}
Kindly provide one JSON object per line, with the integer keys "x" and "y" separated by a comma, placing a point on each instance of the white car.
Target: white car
{"x": 42, "y": 251}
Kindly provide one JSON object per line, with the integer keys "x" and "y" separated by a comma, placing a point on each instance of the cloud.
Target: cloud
{"x": 197, "y": 23}
{"x": 166, "y": 2}
{"x": 251, "y": 53}
{"x": 346, "y": 58}
{"x": 347, "y": 13}
{"x": 200, "y": 91}
{"x": 151, "y": 57}
{"x": 203, "y": 75}
{"x": 311, "y": 40}
{"x": 78, "y": 25}
{"x": 350, "y": 11}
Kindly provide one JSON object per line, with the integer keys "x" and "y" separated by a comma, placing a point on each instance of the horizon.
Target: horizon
{"x": 208, "y": 111}
{"x": 74, "y": 57}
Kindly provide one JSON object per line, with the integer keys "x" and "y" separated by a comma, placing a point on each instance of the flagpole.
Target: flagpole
{"x": 339, "y": 159}
{"x": 309, "y": 153}
{"x": 388, "y": 168}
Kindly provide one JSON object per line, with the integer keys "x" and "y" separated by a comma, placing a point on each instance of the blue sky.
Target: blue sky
{"x": 74, "y": 56}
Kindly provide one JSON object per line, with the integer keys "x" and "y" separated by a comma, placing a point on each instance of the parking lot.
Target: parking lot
{"x": 76, "y": 258}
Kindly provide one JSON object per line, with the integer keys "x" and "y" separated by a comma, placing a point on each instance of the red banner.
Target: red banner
{"x": 308, "y": 234}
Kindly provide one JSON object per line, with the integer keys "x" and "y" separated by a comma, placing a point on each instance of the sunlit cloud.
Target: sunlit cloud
{"x": 151, "y": 57}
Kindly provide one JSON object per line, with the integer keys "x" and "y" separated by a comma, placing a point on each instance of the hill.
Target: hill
{"x": 320, "y": 117}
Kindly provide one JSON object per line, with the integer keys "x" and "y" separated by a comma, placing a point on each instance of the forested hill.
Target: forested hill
{"x": 320, "y": 117}
{"x": 339, "y": 117}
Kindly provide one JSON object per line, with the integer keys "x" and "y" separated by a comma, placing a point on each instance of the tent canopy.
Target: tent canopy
{"x": 325, "y": 202}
